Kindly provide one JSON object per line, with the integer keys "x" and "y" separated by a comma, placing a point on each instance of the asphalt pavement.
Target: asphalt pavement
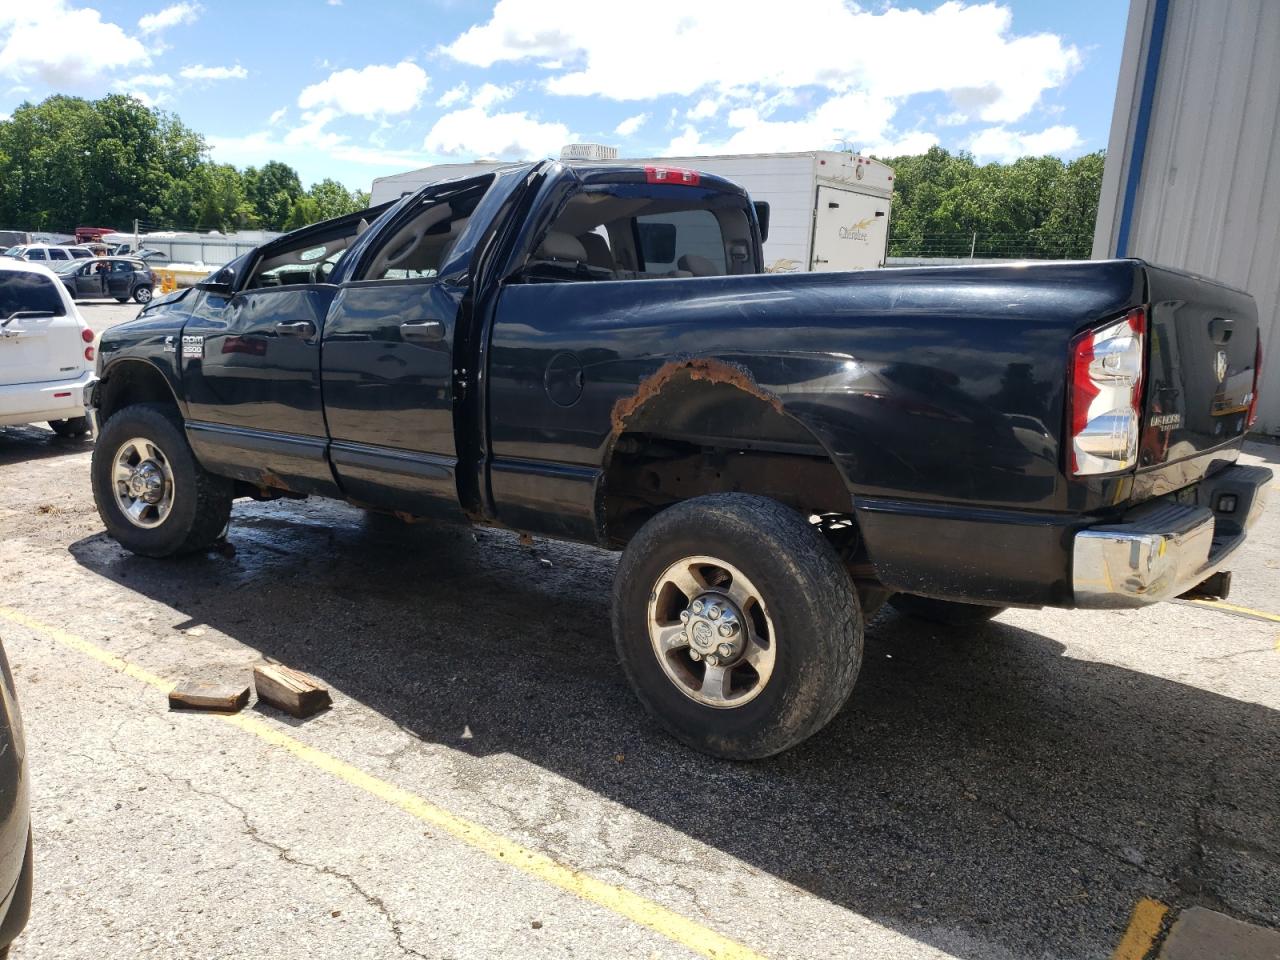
{"x": 485, "y": 785}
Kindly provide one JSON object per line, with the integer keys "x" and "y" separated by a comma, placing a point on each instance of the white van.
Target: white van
{"x": 46, "y": 351}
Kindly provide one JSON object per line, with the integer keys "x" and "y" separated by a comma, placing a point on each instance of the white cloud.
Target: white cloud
{"x": 1005, "y": 146}
{"x": 509, "y": 136}
{"x": 854, "y": 117}
{"x": 199, "y": 71}
{"x": 453, "y": 95}
{"x": 704, "y": 109}
{"x": 169, "y": 17}
{"x": 375, "y": 90}
{"x": 63, "y": 47}
{"x": 257, "y": 148}
{"x": 491, "y": 94}
{"x": 155, "y": 80}
{"x": 918, "y": 141}
{"x": 727, "y": 54}
{"x": 630, "y": 125}
{"x": 277, "y": 116}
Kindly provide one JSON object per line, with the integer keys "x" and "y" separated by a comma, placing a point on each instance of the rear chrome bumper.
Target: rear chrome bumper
{"x": 1165, "y": 548}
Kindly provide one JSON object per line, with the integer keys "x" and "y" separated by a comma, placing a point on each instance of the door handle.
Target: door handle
{"x": 422, "y": 331}
{"x": 296, "y": 328}
{"x": 1220, "y": 329}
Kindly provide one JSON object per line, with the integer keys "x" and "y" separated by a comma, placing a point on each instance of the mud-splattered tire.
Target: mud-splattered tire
{"x": 198, "y": 505}
{"x": 70, "y": 428}
{"x": 947, "y": 612}
{"x": 803, "y": 629}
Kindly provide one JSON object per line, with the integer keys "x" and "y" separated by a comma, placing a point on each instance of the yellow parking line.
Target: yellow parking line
{"x": 1240, "y": 611}
{"x": 1144, "y": 929}
{"x": 621, "y": 901}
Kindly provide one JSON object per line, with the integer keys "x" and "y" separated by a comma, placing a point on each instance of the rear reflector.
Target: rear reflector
{"x": 60, "y": 396}
{"x": 1105, "y": 405}
{"x": 689, "y": 178}
{"x": 88, "y": 354}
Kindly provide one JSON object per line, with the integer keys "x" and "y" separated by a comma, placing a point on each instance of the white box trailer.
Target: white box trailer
{"x": 827, "y": 210}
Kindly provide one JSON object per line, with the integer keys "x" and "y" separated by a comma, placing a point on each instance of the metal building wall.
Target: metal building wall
{"x": 1206, "y": 195}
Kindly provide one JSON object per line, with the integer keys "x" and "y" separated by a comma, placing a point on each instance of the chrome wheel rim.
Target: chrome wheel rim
{"x": 142, "y": 481}
{"x": 143, "y": 294}
{"x": 711, "y": 632}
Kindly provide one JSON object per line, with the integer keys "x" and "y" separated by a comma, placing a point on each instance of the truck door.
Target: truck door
{"x": 388, "y": 363}
{"x": 849, "y": 230}
{"x": 250, "y": 359}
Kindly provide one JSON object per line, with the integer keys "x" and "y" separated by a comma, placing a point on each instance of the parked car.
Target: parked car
{"x": 48, "y": 253}
{"x": 15, "y": 816}
{"x": 594, "y": 354}
{"x": 46, "y": 351}
{"x": 100, "y": 277}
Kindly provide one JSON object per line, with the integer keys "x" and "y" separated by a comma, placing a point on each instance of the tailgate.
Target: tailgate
{"x": 1200, "y": 376}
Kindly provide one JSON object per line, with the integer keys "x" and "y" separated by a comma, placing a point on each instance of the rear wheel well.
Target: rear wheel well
{"x": 128, "y": 382}
{"x": 697, "y": 437}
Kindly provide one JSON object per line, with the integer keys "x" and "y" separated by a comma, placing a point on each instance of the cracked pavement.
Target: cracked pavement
{"x": 1010, "y": 792}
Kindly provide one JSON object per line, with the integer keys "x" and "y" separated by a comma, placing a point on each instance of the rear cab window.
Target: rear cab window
{"x": 21, "y": 291}
{"x": 640, "y": 231}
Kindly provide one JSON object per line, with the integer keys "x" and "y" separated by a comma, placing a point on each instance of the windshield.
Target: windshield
{"x": 13, "y": 251}
{"x": 67, "y": 266}
{"x": 20, "y": 290}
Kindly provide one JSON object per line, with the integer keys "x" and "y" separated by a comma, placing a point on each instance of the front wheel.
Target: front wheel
{"x": 152, "y": 494}
{"x": 737, "y": 625}
{"x": 71, "y": 428}
{"x": 142, "y": 294}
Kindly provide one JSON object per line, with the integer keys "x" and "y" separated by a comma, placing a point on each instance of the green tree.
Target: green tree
{"x": 272, "y": 192}
{"x": 334, "y": 200}
{"x": 304, "y": 212}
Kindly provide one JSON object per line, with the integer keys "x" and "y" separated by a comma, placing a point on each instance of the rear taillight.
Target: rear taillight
{"x": 86, "y": 335}
{"x": 1252, "y": 417}
{"x": 1105, "y": 404}
{"x": 88, "y": 354}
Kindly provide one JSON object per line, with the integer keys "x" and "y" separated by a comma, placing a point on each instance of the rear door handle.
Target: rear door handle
{"x": 296, "y": 328}
{"x": 422, "y": 331}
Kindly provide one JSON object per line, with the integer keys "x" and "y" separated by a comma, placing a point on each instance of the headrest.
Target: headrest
{"x": 698, "y": 266}
{"x": 561, "y": 246}
{"x": 597, "y": 249}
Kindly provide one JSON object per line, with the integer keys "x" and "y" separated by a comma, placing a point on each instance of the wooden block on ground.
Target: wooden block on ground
{"x": 208, "y": 695}
{"x": 293, "y": 692}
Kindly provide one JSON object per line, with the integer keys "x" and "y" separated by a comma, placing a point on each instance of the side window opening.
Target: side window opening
{"x": 420, "y": 246}
{"x": 607, "y": 234}
{"x": 309, "y": 259}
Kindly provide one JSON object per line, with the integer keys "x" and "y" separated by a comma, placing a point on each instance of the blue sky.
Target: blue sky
{"x": 355, "y": 89}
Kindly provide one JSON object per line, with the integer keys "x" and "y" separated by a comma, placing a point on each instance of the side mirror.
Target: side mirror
{"x": 220, "y": 284}
{"x": 216, "y": 288}
{"x": 762, "y": 217}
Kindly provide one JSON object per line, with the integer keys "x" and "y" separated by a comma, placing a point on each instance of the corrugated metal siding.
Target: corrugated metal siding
{"x": 1209, "y": 197}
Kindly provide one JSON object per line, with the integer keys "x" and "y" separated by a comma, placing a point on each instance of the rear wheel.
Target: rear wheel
{"x": 949, "y": 612}
{"x": 737, "y": 625}
{"x": 142, "y": 294}
{"x": 74, "y": 427}
{"x": 122, "y": 299}
{"x": 152, "y": 495}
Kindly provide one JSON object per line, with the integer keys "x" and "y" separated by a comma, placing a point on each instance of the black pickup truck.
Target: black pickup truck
{"x": 593, "y": 353}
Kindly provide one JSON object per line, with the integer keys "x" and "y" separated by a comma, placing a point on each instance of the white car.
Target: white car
{"x": 48, "y": 252}
{"x": 46, "y": 351}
